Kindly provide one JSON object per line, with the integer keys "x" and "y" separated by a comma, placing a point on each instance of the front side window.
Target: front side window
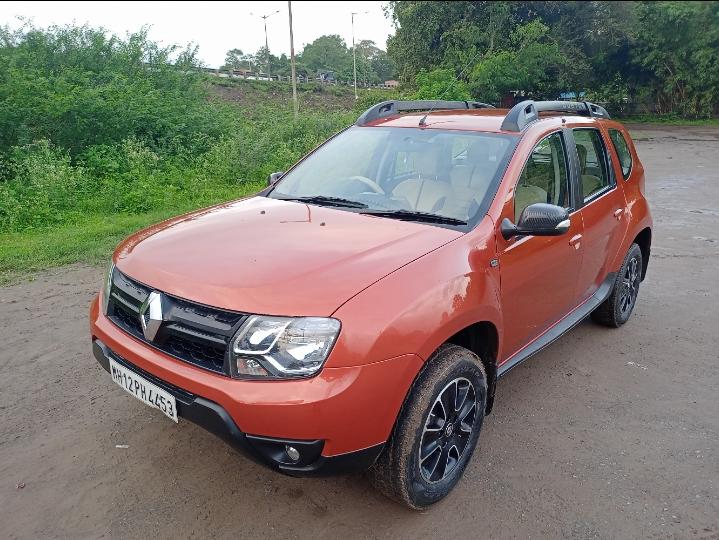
{"x": 593, "y": 163}
{"x": 622, "y": 148}
{"x": 435, "y": 172}
{"x": 544, "y": 178}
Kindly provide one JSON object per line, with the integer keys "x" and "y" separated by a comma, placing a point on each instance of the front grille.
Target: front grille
{"x": 197, "y": 353}
{"x": 191, "y": 332}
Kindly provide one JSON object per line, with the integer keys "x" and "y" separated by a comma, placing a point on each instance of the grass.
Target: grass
{"x": 90, "y": 241}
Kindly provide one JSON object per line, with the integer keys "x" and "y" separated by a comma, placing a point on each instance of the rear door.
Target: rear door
{"x": 602, "y": 207}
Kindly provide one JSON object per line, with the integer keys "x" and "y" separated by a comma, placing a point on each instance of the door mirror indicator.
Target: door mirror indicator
{"x": 273, "y": 178}
{"x": 538, "y": 219}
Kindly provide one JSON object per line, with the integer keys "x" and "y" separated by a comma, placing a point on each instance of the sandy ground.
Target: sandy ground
{"x": 606, "y": 434}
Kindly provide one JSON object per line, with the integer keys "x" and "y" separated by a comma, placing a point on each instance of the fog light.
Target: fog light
{"x": 292, "y": 452}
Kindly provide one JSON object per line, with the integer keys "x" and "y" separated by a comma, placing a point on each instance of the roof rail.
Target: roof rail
{"x": 526, "y": 112}
{"x": 389, "y": 108}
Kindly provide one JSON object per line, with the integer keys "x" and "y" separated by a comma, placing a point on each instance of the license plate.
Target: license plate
{"x": 144, "y": 390}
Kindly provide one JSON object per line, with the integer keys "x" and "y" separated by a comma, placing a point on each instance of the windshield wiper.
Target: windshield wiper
{"x": 411, "y": 215}
{"x": 326, "y": 201}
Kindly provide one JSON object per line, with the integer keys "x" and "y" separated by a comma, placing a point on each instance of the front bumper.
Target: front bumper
{"x": 266, "y": 450}
{"x": 342, "y": 416}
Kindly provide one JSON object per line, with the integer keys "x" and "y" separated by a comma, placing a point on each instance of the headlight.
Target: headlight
{"x": 282, "y": 346}
{"x": 106, "y": 286}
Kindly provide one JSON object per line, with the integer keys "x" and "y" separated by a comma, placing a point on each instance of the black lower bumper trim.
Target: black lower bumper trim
{"x": 265, "y": 450}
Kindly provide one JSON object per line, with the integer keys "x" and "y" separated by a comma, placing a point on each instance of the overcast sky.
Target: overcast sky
{"x": 215, "y": 26}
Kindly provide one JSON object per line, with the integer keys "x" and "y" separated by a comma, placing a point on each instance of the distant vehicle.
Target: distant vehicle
{"x": 359, "y": 311}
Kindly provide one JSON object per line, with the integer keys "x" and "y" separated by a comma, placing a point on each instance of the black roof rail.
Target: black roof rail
{"x": 389, "y": 108}
{"x": 526, "y": 112}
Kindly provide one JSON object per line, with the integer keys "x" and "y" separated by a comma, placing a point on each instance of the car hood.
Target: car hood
{"x": 261, "y": 255}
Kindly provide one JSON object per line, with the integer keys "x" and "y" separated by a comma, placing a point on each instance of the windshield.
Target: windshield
{"x": 402, "y": 172}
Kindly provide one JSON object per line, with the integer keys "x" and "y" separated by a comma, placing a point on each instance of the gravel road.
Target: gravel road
{"x": 606, "y": 434}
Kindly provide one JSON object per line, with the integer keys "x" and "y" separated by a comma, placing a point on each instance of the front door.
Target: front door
{"x": 539, "y": 273}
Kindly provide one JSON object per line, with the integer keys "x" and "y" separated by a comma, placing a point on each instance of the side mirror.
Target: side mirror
{"x": 539, "y": 219}
{"x": 274, "y": 178}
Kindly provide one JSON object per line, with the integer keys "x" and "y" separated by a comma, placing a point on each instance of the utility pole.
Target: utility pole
{"x": 292, "y": 62}
{"x": 354, "y": 53}
{"x": 267, "y": 47}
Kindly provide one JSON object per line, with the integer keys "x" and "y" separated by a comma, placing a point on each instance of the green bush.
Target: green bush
{"x": 613, "y": 95}
{"x": 77, "y": 87}
{"x": 441, "y": 84}
{"x": 92, "y": 125}
{"x": 44, "y": 189}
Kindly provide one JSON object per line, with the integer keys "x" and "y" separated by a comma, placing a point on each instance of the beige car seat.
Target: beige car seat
{"x": 425, "y": 193}
{"x": 526, "y": 195}
{"x": 590, "y": 183}
{"x": 527, "y": 191}
{"x": 479, "y": 170}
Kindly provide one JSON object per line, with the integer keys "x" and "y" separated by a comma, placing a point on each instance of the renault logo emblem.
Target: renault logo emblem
{"x": 151, "y": 315}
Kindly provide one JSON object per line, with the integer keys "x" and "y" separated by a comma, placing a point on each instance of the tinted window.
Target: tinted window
{"x": 622, "y": 148}
{"x": 594, "y": 172}
{"x": 544, "y": 178}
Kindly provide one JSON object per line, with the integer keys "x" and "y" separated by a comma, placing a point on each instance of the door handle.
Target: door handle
{"x": 618, "y": 213}
{"x": 574, "y": 240}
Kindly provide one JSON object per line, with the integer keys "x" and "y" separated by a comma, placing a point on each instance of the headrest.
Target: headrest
{"x": 483, "y": 151}
{"x": 582, "y": 152}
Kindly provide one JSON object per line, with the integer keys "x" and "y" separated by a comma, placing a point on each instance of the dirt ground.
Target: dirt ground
{"x": 606, "y": 434}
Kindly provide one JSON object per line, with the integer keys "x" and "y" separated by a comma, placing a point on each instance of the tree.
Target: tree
{"x": 676, "y": 48}
{"x": 373, "y": 64}
{"x": 535, "y": 65}
{"x": 234, "y": 59}
{"x": 383, "y": 66}
{"x": 328, "y": 53}
{"x": 417, "y": 43}
{"x": 664, "y": 52}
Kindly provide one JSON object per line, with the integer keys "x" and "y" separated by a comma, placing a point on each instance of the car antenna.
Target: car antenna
{"x": 423, "y": 120}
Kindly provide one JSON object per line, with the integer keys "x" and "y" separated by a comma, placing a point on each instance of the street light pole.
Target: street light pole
{"x": 292, "y": 61}
{"x": 354, "y": 52}
{"x": 267, "y": 47}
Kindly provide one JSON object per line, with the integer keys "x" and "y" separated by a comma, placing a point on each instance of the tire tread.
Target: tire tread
{"x": 606, "y": 313}
{"x": 388, "y": 473}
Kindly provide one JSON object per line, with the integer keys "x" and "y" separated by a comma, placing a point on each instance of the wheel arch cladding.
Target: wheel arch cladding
{"x": 644, "y": 241}
{"x": 482, "y": 339}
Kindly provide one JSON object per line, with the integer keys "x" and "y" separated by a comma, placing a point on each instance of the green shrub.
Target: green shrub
{"x": 44, "y": 189}
{"x": 93, "y": 126}
{"x": 78, "y": 87}
{"x": 441, "y": 84}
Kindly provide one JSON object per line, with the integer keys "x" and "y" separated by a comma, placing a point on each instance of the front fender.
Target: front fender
{"x": 419, "y": 306}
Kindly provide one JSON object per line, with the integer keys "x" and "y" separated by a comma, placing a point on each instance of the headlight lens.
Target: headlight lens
{"x": 282, "y": 346}
{"x": 106, "y": 286}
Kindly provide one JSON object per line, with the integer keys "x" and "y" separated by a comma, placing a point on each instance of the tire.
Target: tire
{"x": 617, "y": 309}
{"x": 400, "y": 473}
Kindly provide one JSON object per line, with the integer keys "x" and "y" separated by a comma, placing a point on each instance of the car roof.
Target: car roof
{"x": 485, "y": 120}
{"x": 477, "y": 116}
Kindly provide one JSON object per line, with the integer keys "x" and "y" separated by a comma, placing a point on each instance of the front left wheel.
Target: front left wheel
{"x": 437, "y": 430}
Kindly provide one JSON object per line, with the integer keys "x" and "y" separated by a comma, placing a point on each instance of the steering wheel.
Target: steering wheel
{"x": 374, "y": 186}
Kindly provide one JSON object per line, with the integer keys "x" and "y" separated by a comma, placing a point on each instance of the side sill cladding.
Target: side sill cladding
{"x": 561, "y": 328}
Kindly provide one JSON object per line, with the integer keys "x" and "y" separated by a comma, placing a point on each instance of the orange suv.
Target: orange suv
{"x": 358, "y": 313}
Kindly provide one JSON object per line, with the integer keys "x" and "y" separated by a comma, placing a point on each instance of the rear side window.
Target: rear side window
{"x": 593, "y": 163}
{"x": 622, "y": 148}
